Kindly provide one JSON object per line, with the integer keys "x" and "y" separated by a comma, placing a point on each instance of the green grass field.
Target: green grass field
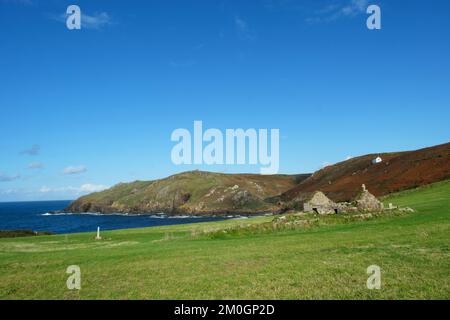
{"x": 200, "y": 261}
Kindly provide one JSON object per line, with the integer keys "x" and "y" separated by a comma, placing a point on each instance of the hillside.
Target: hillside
{"x": 206, "y": 193}
{"x": 326, "y": 261}
{"x": 398, "y": 171}
{"x": 194, "y": 192}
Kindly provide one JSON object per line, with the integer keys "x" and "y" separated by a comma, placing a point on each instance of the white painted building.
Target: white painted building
{"x": 377, "y": 160}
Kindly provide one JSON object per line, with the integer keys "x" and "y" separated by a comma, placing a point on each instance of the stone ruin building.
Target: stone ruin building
{"x": 319, "y": 203}
{"x": 365, "y": 201}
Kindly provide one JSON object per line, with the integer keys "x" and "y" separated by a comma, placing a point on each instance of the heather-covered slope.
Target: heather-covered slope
{"x": 194, "y": 192}
{"x": 398, "y": 171}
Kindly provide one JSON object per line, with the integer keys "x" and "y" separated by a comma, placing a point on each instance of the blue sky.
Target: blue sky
{"x": 85, "y": 109}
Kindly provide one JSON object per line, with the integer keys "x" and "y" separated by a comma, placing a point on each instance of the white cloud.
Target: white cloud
{"x": 49, "y": 193}
{"x": 35, "y": 165}
{"x": 243, "y": 29}
{"x": 8, "y": 191}
{"x": 74, "y": 169}
{"x": 354, "y": 7}
{"x": 95, "y": 21}
{"x": 45, "y": 189}
{"x": 88, "y": 187}
{"x": 7, "y": 178}
{"x": 83, "y": 189}
{"x": 32, "y": 151}
{"x": 24, "y": 2}
{"x": 349, "y": 157}
{"x": 199, "y": 46}
{"x": 335, "y": 11}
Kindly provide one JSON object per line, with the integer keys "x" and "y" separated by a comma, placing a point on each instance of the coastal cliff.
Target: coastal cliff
{"x": 191, "y": 193}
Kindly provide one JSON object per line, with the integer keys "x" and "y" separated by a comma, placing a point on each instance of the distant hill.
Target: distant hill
{"x": 397, "y": 171}
{"x": 207, "y": 193}
{"x": 194, "y": 192}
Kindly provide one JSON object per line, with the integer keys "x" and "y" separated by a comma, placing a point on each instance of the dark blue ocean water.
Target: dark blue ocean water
{"x": 34, "y": 216}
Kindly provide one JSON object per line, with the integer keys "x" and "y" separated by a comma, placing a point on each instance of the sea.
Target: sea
{"x": 38, "y": 216}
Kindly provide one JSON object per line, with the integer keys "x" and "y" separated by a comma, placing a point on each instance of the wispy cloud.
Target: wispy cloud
{"x": 339, "y": 9}
{"x": 182, "y": 63}
{"x": 22, "y": 2}
{"x": 282, "y": 5}
{"x": 88, "y": 187}
{"x": 243, "y": 30}
{"x": 95, "y": 21}
{"x": 354, "y": 7}
{"x": 45, "y": 189}
{"x": 74, "y": 169}
{"x": 35, "y": 165}
{"x": 8, "y": 191}
{"x": 7, "y": 178}
{"x": 84, "y": 188}
{"x": 199, "y": 46}
{"x": 32, "y": 151}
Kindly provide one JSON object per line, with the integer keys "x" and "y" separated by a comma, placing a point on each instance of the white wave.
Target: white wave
{"x": 180, "y": 217}
{"x": 83, "y": 214}
{"x": 158, "y": 216}
{"x": 154, "y": 216}
{"x": 57, "y": 214}
{"x": 238, "y": 218}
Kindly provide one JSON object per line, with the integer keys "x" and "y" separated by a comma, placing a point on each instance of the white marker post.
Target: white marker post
{"x": 98, "y": 234}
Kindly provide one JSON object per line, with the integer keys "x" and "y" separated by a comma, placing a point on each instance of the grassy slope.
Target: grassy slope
{"x": 168, "y": 262}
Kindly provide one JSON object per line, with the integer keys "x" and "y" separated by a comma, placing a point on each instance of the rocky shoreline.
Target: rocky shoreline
{"x": 168, "y": 212}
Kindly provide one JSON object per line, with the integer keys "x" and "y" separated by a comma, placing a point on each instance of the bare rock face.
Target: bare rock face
{"x": 366, "y": 201}
{"x": 181, "y": 198}
{"x": 241, "y": 198}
